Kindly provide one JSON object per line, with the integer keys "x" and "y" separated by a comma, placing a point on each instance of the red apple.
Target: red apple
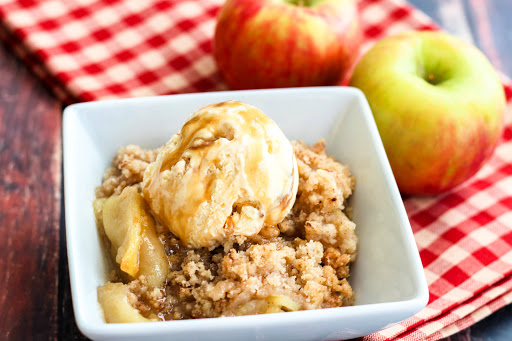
{"x": 286, "y": 43}
{"x": 438, "y": 104}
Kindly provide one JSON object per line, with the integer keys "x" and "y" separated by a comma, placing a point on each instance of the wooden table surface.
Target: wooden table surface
{"x": 35, "y": 297}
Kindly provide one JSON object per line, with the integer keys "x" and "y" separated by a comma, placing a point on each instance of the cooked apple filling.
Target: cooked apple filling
{"x": 300, "y": 263}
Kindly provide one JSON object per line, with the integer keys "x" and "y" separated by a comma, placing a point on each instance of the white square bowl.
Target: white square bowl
{"x": 387, "y": 276}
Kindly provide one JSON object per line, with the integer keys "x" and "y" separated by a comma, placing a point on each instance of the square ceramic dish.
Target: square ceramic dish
{"x": 387, "y": 276}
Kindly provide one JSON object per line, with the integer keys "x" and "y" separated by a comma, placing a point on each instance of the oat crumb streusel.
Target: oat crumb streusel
{"x": 306, "y": 257}
{"x": 127, "y": 169}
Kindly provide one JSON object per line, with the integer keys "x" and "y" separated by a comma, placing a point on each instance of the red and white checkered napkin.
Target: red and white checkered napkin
{"x": 98, "y": 49}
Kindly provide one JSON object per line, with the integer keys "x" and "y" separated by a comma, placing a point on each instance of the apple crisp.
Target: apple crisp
{"x": 300, "y": 263}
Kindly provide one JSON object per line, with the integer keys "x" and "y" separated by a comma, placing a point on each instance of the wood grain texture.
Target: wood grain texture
{"x": 30, "y": 161}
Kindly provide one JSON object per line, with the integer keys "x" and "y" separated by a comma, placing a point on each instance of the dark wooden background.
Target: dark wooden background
{"x": 35, "y": 297}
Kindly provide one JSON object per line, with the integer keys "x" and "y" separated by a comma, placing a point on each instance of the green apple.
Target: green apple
{"x": 438, "y": 105}
{"x": 286, "y": 43}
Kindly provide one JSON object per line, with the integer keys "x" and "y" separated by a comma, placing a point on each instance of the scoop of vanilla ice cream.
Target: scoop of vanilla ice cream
{"x": 229, "y": 172}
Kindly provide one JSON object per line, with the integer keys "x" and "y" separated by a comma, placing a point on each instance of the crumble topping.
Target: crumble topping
{"x": 305, "y": 258}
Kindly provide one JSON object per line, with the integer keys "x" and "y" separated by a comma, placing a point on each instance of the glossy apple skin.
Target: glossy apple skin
{"x": 273, "y": 44}
{"x": 436, "y": 134}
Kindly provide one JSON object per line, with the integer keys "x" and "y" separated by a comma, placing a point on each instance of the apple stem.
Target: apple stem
{"x": 301, "y": 3}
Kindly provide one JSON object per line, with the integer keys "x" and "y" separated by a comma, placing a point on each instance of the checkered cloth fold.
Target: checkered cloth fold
{"x": 98, "y": 49}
